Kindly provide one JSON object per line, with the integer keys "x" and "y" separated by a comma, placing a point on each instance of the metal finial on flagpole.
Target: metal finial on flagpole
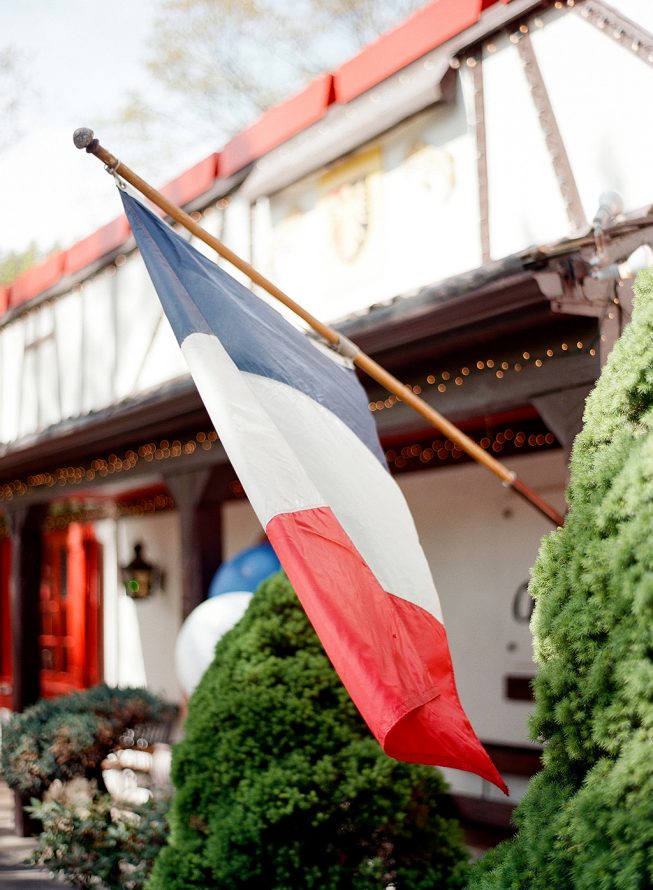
{"x": 84, "y": 138}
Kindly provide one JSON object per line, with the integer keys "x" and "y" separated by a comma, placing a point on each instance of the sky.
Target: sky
{"x": 80, "y": 58}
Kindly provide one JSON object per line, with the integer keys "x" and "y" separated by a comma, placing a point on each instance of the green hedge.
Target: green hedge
{"x": 279, "y": 785}
{"x": 587, "y": 820}
{"x": 69, "y": 736}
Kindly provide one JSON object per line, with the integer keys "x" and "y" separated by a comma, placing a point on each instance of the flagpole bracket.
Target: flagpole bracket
{"x": 344, "y": 346}
{"x": 112, "y": 170}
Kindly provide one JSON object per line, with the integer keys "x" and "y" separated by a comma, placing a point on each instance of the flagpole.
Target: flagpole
{"x": 84, "y": 139}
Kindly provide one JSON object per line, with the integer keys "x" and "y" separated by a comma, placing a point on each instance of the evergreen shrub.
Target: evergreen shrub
{"x": 279, "y": 784}
{"x": 66, "y": 737}
{"x": 94, "y": 842}
{"x": 586, "y": 822}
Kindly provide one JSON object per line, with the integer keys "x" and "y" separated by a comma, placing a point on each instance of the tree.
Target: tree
{"x": 15, "y": 93}
{"x": 587, "y": 819}
{"x": 12, "y": 93}
{"x": 279, "y": 784}
{"x": 222, "y": 62}
{"x": 15, "y": 262}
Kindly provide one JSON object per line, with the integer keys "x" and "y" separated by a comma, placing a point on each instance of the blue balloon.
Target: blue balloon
{"x": 245, "y": 571}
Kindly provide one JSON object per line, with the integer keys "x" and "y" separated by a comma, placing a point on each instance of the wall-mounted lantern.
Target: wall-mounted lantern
{"x": 140, "y": 577}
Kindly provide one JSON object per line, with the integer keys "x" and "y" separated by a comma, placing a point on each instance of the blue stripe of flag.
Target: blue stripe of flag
{"x": 200, "y": 297}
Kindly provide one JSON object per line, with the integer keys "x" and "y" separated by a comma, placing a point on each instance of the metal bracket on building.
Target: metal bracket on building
{"x": 571, "y": 286}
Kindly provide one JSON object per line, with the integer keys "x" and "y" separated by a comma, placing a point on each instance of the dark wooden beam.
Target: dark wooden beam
{"x": 518, "y": 688}
{"x": 208, "y": 523}
{"x": 515, "y": 760}
{"x": 485, "y": 822}
{"x": 552, "y": 135}
{"x": 187, "y": 489}
{"x": 488, "y": 822}
{"x": 623, "y": 30}
{"x": 481, "y": 155}
{"x": 25, "y": 527}
{"x": 26, "y": 532}
{"x": 198, "y": 497}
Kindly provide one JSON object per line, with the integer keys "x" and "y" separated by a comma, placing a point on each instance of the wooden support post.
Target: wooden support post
{"x": 208, "y": 523}
{"x": 197, "y": 500}
{"x": 26, "y": 530}
{"x": 610, "y": 327}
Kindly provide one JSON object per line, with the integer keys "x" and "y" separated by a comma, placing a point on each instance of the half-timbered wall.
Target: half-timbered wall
{"x": 510, "y": 149}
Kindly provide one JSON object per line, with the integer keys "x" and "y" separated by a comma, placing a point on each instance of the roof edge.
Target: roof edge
{"x": 423, "y": 31}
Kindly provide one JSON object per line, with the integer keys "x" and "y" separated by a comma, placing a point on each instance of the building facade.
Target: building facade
{"x": 437, "y": 199}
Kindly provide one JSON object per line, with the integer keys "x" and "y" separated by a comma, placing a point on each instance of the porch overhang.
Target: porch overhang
{"x": 537, "y": 296}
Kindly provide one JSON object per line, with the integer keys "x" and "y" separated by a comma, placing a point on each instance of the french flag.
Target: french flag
{"x": 295, "y": 423}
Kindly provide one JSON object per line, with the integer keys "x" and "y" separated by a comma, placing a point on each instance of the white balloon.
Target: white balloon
{"x": 201, "y": 631}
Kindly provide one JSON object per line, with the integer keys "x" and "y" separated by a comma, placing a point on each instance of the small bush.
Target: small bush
{"x": 587, "y": 820}
{"x": 94, "y": 842}
{"x": 280, "y": 785}
{"x": 66, "y": 737}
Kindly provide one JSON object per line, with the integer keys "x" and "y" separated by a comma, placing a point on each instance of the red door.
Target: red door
{"x": 6, "y": 673}
{"x": 70, "y": 611}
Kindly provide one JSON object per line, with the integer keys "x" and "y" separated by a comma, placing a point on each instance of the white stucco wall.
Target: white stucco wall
{"x": 481, "y": 541}
{"x": 140, "y": 635}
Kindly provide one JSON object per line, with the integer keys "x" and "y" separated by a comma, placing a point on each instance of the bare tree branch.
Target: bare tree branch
{"x": 219, "y": 63}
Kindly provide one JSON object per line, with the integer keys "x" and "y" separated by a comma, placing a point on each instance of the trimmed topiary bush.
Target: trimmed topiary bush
{"x": 279, "y": 784}
{"x": 66, "y": 737}
{"x": 587, "y": 820}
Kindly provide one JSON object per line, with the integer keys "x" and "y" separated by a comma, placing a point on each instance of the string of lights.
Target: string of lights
{"x": 529, "y": 437}
{"x": 441, "y": 379}
{"x": 411, "y": 455}
{"x": 537, "y": 22}
{"x": 111, "y": 465}
{"x": 439, "y": 450}
{"x": 457, "y": 377}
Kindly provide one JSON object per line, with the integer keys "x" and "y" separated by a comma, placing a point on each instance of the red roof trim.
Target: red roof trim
{"x": 428, "y": 28}
{"x": 36, "y": 279}
{"x": 193, "y": 182}
{"x": 278, "y": 124}
{"x": 423, "y": 31}
{"x": 104, "y": 240}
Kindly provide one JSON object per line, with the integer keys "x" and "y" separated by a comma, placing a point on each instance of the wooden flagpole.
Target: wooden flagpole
{"x": 84, "y": 139}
